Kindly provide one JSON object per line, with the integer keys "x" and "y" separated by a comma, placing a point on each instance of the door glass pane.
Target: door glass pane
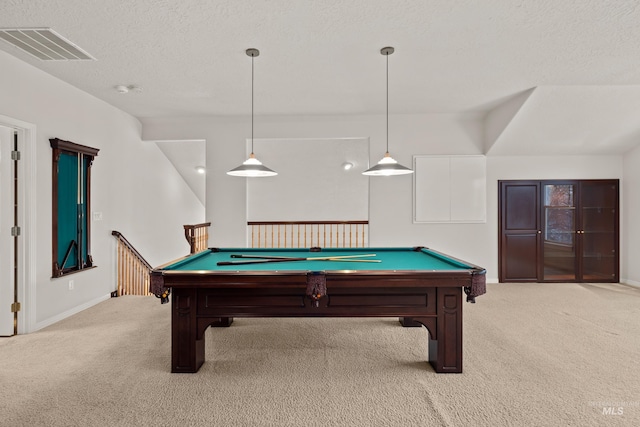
{"x": 559, "y": 249}
{"x": 599, "y": 238}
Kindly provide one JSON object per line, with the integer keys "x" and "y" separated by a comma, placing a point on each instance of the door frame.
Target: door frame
{"x": 26, "y": 220}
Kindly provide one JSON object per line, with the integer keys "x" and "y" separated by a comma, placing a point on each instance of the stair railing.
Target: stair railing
{"x": 133, "y": 269}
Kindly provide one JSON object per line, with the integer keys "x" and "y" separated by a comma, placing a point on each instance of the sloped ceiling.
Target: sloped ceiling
{"x": 572, "y": 66}
{"x": 187, "y": 157}
{"x": 569, "y": 120}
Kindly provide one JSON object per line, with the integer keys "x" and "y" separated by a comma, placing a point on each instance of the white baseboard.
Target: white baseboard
{"x": 68, "y": 313}
{"x": 630, "y": 283}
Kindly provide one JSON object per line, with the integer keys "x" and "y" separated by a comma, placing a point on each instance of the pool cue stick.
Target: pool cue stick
{"x": 263, "y": 257}
{"x": 261, "y": 260}
{"x": 336, "y": 257}
{"x": 340, "y": 257}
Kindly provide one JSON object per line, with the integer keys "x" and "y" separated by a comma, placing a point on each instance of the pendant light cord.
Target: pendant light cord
{"x": 252, "y": 56}
{"x": 387, "y": 55}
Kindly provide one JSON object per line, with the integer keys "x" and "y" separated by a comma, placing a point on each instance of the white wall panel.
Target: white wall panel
{"x": 432, "y": 189}
{"x": 449, "y": 189}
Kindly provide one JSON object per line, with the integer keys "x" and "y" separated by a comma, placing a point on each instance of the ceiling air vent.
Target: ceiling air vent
{"x": 44, "y": 44}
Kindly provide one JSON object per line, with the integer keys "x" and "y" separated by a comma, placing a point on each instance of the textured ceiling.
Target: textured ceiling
{"x": 323, "y": 57}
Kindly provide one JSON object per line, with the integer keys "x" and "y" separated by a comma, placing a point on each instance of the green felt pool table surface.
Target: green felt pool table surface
{"x": 387, "y": 259}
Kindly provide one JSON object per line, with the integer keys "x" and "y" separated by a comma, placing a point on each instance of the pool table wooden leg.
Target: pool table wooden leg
{"x": 445, "y": 352}
{"x": 445, "y": 331}
{"x": 187, "y": 351}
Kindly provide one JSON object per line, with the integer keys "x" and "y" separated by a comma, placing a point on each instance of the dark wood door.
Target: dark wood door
{"x": 519, "y": 240}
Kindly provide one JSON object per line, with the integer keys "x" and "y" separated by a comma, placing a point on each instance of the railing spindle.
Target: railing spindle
{"x": 350, "y": 235}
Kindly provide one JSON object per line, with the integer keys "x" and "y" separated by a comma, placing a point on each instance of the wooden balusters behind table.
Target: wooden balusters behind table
{"x": 306, "y": 234}
{"x": 133, "y": 269}
{"x": 198, "y": 236}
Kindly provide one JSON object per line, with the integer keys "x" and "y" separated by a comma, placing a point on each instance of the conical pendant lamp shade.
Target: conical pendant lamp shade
{"x": 388, "y": 165}
{"x": 252, "y": 167}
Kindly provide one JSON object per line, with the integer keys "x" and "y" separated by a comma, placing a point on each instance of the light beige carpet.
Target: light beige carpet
{"x": 534, "y": 355}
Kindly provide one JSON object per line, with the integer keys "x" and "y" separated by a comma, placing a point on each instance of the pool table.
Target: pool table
{"x": 421, "y": 286}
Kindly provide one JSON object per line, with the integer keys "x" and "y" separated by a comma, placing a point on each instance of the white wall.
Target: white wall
{"x": 133, "y": 184}
{"x": 630, "y": 270}
{"x": 390, "y": 213}
{"x": 330, "y": 193}
{"x": 391, "y": 197}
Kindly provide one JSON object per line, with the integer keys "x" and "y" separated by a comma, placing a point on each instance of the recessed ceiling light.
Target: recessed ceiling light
{"x": 347, "y": 166}
{"x": 201, "y": 169}
{"x": 127, "y": 89}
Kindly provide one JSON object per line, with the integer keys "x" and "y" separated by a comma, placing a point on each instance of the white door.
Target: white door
{"x": 7, "y": 293}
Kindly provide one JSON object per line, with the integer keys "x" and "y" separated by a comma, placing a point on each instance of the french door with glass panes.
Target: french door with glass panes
{"x": 577, "y": 237}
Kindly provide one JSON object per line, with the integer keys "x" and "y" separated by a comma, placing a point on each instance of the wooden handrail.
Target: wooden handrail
{"x": 133, "y": 269}
{"x": 130, "y": 247}
{"x": 192, "y": 226}
{"x": 197, "y": 235}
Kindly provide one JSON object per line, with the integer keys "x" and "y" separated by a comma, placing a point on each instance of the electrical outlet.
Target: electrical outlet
{"x": 70, "y": 285}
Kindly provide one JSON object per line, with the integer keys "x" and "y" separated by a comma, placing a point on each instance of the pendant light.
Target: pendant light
{"x": 387, "y": 166}
{"x": 252, "y": 167}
